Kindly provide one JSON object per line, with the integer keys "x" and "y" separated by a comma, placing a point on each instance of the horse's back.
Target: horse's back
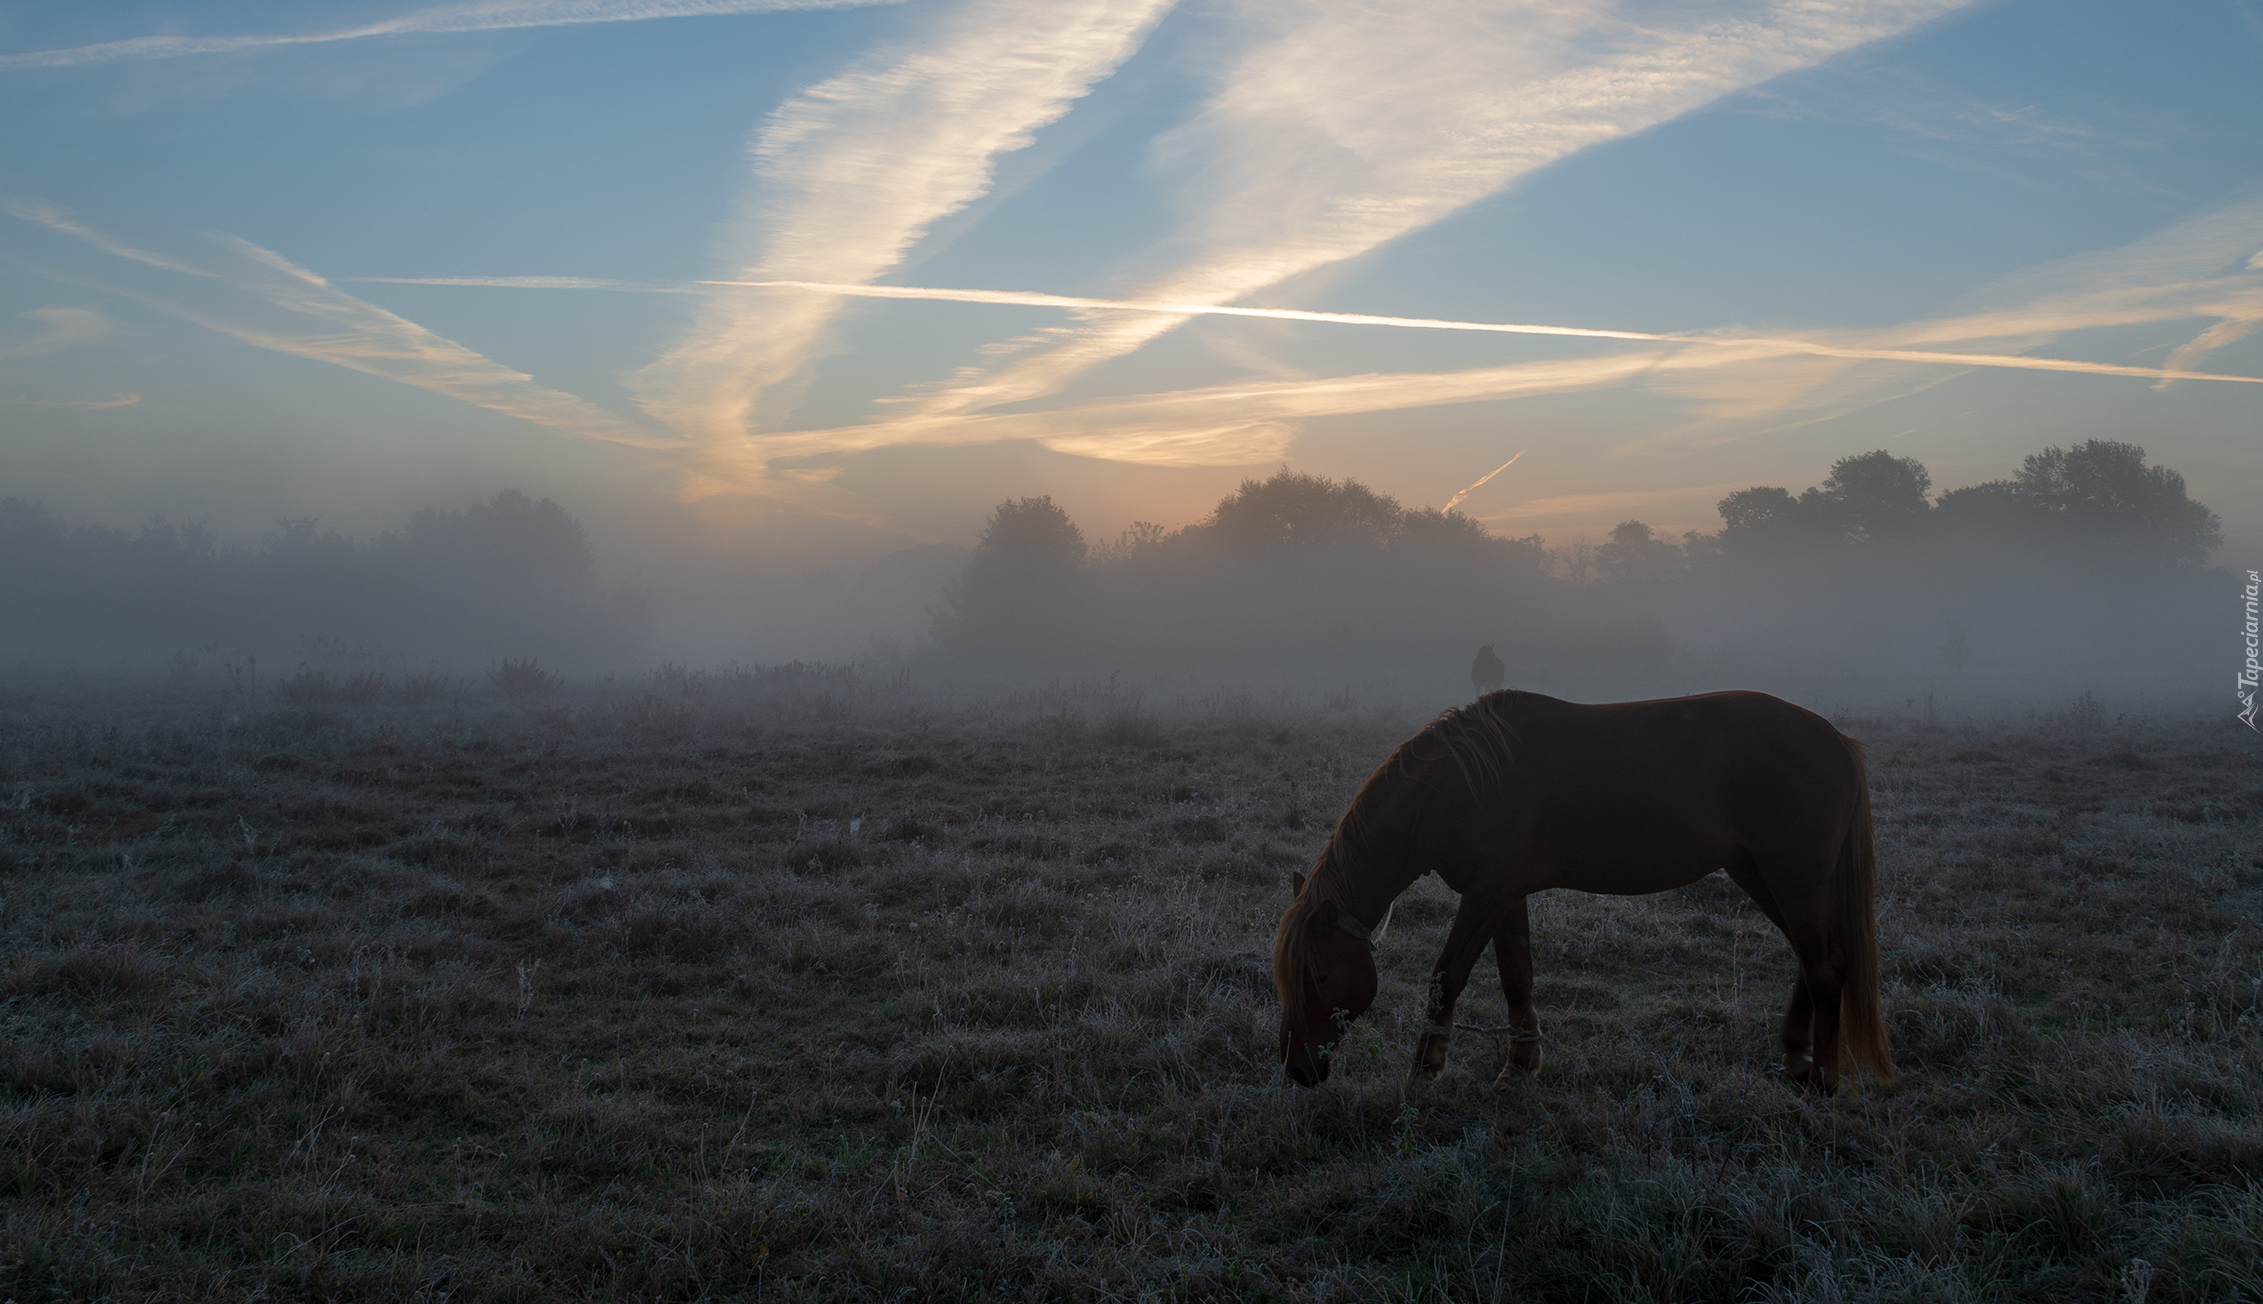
{"x": 1692, "y": 778}
{"x": 1670, "y": 731}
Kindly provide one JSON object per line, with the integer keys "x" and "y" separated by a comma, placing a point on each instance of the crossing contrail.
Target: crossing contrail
{"x": 1456, "y": 500}
{"x": 1032, "y": 299}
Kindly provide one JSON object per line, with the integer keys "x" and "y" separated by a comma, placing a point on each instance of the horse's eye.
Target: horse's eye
{"x": 1321, "y": 981}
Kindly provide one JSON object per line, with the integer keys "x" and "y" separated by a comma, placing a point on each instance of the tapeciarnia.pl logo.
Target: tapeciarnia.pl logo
{"x": 2251, "y": 671}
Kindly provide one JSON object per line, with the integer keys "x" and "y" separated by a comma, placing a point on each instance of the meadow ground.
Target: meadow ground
{"x": 799, "y": 986}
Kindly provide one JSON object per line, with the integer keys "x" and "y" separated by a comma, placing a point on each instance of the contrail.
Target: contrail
{"x": 1456, "y": 500}
{"x": 1031, "y": 299}
{"x": 478, "y": 16}
{"x": 534, "y": 283}
{"x": 2015, "y": 361}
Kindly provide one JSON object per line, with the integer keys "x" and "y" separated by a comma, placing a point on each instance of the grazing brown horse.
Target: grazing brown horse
{"x": 1518, "y": 793}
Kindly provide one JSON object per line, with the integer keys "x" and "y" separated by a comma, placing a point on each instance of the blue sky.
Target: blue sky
{"x": 1799, "y": 194}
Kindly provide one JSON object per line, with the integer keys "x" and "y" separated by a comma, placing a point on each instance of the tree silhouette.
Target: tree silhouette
{"x": 1449, "y": 542}
{"x": 1305, "y": 510}
{"x": 2099, "y": 499}
{"x": 1292, "y": 565}
{"x": 510, "y": 540}
{"x": 1871, "y": 498}
{"x": 1017, "y": 594}
{"x": 2107, "y": 496}
{"x": 511, "y": 576}
{"x": 1998, "y": 508}
{"x": 1868, "y": 498}
{"x": 1635, "y": 556}
{"x": 1761, "y": 521}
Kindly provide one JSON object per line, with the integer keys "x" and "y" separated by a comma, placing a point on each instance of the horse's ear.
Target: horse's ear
{"x": 1296, "y": 883}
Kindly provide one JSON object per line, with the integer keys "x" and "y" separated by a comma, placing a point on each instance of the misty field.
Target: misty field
{"x": 807, "y": 984}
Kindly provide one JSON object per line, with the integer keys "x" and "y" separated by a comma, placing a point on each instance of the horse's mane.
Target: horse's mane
{"x": 1478, "y": 739}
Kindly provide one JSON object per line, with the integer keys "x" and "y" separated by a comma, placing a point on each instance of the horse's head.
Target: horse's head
{"x": 1324, "y": 970}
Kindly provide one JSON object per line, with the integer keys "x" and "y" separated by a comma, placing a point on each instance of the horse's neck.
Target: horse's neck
{"x": 1373, "y": 881}
{"x": 1380, "y": 859}
{"x": 1371, "y": 885}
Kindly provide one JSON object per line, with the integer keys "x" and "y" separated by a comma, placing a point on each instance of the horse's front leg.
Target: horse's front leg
{"x": 1474, "y": 926}
{"x": 1512, "y": 951}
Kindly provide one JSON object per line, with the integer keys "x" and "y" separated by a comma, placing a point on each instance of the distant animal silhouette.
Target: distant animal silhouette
{"x": 1518, "y": 793}
{"x": 1485, "y": 672}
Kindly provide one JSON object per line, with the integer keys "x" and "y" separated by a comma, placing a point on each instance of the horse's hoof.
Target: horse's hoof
{"x": 1513, "y": 1073}
{"x": 1814, "y": 1081}
{"x": 1797, "y": 1067}
{"x": 1524, "y": 1061}
{"x": 1430, "y": 1056}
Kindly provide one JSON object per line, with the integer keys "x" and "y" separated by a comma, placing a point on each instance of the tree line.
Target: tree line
{"x": 1299, "y": 566}
{"x": 509, "y": 577}
{"x": 2098, "y": 502}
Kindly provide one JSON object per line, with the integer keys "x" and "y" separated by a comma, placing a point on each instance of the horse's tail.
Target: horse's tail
{"x": 1854, "y": 891}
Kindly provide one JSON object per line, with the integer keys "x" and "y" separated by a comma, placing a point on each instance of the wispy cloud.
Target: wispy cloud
{"x": 2200, "y": 269}
{"x": 258, "y": 296}
{"x": 1732, "y": 383}
{"x": 1355, "y": 125}
{"x": 856, "y": 169}
{"x": 2193, "y": 269}
{"x": 480, "y": 16}
{"x": 114, "y": 401}
{"x": 2208, "y": 341}
{"x": 1215, "y": 425}
{"x": 54, "y": 330}
{"x": 2196, "y": 269}
{"x": 57, "y": 219}
{"x": 1625, "y": 500}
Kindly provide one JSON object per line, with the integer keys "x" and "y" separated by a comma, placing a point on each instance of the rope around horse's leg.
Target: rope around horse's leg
{"x": 1516, "y": 1036}
{"x": 1524, "y": 1051}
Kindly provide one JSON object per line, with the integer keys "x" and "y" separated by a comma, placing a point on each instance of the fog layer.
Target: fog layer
{"x": 2085, "y": 575}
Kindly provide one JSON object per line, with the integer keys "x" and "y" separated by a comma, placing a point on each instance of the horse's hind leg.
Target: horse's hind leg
{"x": 1815, "y": 1002}
{"x": 1799, "y": 1015}
{"x": 1799, "y": 1032}
{"x": 1512, "y": 951}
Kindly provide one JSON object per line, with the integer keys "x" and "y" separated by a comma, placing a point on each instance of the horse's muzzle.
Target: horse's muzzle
{"x": 1308, "y": 1068}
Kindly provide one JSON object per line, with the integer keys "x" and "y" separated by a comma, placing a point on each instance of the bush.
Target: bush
{"x": 428, "y": 687}
{"x": 522, "y": 678}
{"x": 306, "y": 688}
